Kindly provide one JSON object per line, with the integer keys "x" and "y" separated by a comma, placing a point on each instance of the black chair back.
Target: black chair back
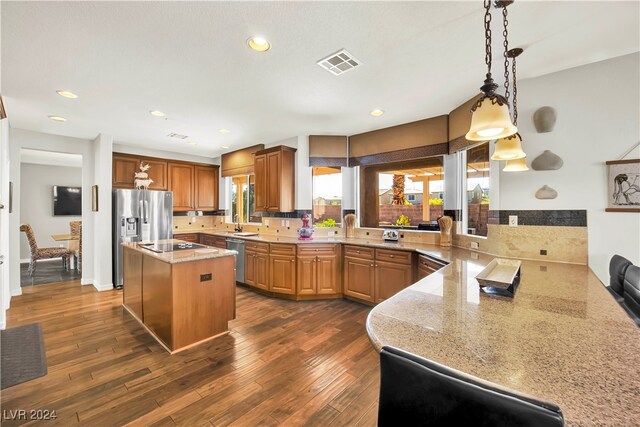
{"x": 617, "y": 269}
{"x": 418, "y": 392}
{"x": 632, "y": 290}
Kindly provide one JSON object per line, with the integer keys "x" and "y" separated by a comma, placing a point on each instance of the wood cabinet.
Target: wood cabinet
{"x": 282, "y": 269}
{"x": 256, "y": 265}
{"x": 376, "y": 274}
{"x": 217, "y": 241}
{"x": 318, "y": 271}
{"x": 181, "y": 182}
{"x": 194, "y": 185}
{"x": 428, "y": 265}
{"x": 275, "y": 179}
{"x": 132, "y": 276}
{"x": 206, "y": 188}
{"x": 188, "y": 237}
{"x": 359, "y": 278}
{"x": 125, "y": 166}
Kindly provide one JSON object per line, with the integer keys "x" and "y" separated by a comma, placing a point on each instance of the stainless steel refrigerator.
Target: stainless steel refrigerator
{"x": 139, "y": 215}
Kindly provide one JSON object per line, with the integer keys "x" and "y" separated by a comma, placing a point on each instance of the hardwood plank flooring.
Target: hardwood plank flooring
{"x": 285, "y": 363}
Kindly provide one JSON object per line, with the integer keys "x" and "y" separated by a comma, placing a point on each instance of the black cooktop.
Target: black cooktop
{"x": 170, "y": 247}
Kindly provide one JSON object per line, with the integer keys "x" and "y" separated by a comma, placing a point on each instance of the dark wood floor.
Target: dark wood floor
{"x": 47, "y": 271}
{"x": 284, "y": 363}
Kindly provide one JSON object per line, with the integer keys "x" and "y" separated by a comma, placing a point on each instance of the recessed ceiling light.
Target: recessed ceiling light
{"x": 259, "y": 44}
{"x": 193, "y": 143}
{"x": 67, "y": 94}
{"x": 58, "y": 119}
{"x": 156, "y": 113}
{"x": 224, "y": 131}
{"x": 225, "y": 147}
{"x": 376, "y": 113}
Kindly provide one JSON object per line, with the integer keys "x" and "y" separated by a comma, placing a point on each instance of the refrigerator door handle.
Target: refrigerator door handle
{"x": 146, "y": 211}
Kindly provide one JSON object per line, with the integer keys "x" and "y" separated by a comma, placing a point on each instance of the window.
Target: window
{"x": 476, "y": 203}
{"x": 411, "y": 194}
{"x": 242, "y": 199}
{"x": 327, "y": 197}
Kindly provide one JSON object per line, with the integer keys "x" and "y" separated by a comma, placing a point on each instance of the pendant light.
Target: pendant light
{"x": 510, "y": 148}
{"x": 490, "y": 114}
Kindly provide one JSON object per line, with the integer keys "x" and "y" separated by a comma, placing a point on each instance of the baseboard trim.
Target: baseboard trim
{"x": 84, "y": 281}
{"x": 16, "y": 292}
{"x": 102, "y": 287}
{"x": 3, "y": 325}
{"x": 25, "y": 261}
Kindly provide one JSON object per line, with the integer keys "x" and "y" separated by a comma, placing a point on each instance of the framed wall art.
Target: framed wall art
{"x": 623, "y": 185}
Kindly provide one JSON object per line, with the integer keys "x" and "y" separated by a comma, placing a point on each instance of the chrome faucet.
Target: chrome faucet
{"x": 238, "y": 227}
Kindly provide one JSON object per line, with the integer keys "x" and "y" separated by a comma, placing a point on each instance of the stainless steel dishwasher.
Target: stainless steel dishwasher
{"x": 238, "y": 246}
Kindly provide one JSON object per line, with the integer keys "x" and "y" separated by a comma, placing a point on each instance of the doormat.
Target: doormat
{"x": 22, "y": 356}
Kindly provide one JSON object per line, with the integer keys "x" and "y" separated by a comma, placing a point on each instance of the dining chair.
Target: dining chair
{"x": 75, "y": 228}
{"x": 43, "y": 253}
{"x": 415, "y": 391}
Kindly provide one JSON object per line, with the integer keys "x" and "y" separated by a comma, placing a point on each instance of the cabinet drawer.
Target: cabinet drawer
{"x": 189, "y": 237}
{"x": 311, "y": 249}
{"x": 282, "y": 249}
{"x": 217, "y": 241}
{"x": 359, "y": 252}
{"x": 424, "y": 262}
{"x": 257, "y": 247}
{"x": 399, "y": 257}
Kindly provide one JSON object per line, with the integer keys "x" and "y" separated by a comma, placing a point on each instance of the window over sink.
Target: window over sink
{"x": 242, "y": 199}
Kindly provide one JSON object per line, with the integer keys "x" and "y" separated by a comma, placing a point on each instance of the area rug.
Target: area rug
{"x": 22, "y": 356}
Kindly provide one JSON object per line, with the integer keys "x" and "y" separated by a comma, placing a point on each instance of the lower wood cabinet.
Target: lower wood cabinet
{"x": 256, "y": 268}
{"x": 359, "y": 277}
{"x": 132, "y": 276}
{"x": 427, "y": 265}
{"x": 188, "y": 237}
{"x": 282, "y": 274}
{"x": 375, "y": 275}
{"x": 217, "y": 241}
{"x": 318, "y": 270}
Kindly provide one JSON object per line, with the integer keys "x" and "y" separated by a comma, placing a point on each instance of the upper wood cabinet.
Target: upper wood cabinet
{"x": 275, "y": 179}
{"x": 125, "y": 166}
{"x": 206, "y": 188}
{"x": 182, "y": 183}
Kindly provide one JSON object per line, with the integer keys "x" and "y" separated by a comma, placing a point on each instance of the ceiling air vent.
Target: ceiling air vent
{"x": 339, "y": 62}
{"x": 177, "y": 135}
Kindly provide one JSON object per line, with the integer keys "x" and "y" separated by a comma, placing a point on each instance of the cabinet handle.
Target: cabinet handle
{"x": 392, "y": 256}
{"x": 357, "y": 252}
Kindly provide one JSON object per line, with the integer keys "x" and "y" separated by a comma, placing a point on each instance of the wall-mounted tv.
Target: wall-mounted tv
{"x": 67, "y": 200}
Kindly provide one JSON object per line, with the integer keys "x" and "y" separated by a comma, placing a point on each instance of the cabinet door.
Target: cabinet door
{"x": 123, "y": 171}
{"x": 359, "y": 278}
{"x": 158, "y": 173}
{"x": 282, "y": 274}
{"x": 262, "y": 271}
{"x": 157, "y": 298}
{"x": 391, "y": 278}
{"x": 206, "y": 188}
{"x": 188, "y": 237}
{"x": 250, "y": 268}
{"x": 327, "y": 275}
{"x": 132, "y": 281}
{"x": 273, "y": 182}
{"x": 306, "y": 275}
{"x": 260, "y": 191}
{"x": 181, "y": 183}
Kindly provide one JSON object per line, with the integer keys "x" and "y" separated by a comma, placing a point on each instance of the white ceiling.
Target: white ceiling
{"x": 189, "y": 60}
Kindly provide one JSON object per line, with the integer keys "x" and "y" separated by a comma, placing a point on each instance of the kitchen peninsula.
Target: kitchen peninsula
{"x": 183, "y": 294}
{"x": 562, "y": 338}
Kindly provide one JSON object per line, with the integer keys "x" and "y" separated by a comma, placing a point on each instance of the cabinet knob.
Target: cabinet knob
{"x": 372, "y": 265}
{"x": 293, "y": 260}
{"x": 357, "y": 252}
{"x": 392, "y": 256}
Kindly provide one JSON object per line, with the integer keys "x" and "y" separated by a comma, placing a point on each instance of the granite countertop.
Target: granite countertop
{"x": 437, "y": 251}
{"x": 562, "y": 338}
{"x": 184, "y": 255}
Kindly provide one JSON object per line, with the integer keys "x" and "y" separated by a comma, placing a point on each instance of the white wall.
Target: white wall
{"x": 102, "y": 239}
{"x": 5, "y": 253}
{"x": 20, "y": 138}
{"x": 598, "y": 119}
{"x": 36, "y": 203}
{"x": 122, "y": 147}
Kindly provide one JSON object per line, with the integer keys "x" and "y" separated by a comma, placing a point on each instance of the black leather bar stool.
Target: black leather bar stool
{"x": 617, "y": 269}
{"x": 632, "y": 290}
{"x": 418, "y": 392}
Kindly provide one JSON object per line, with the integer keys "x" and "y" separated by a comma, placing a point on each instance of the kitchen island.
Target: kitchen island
{"x": 562, "y": 338}
{"x": 183, "y": 296}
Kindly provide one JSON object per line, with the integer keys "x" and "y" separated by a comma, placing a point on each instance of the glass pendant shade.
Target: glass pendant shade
{"x": 509, "y": 148}
{"x": 517, "y": 165}
{"x": 490, "y": 121}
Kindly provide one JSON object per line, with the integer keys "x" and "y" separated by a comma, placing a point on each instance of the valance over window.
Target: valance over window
{"x": 328, "y": 150}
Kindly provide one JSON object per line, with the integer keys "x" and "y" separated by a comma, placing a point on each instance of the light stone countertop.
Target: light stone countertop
{"x": 562, "y": 338}
{"x": 184, "y": 255}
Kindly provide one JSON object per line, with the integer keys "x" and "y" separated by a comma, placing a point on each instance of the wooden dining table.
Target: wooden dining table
{"x": 67, "y": 238}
